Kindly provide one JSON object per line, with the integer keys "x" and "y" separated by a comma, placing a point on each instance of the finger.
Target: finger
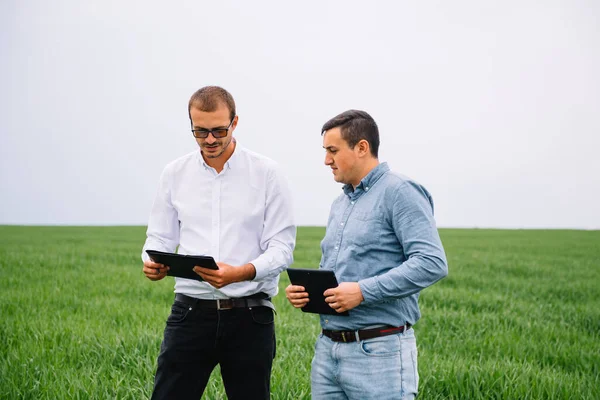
{"x": 300, "y": 304}
{"x": 297, "y": 295}
{"x": 329, "y": 292}
{"x": 154, "y": 271}
{"x": 200, "y": 272}
{"x": 211, "y": 280}
{"x": 202, "y": 275}
{"x": 151, "y": 277}
{"x": 148, "y": 270}
{"x": 206, "y": 271}
{"x": 152, "y": 264}
{"x": 157, "y": 273}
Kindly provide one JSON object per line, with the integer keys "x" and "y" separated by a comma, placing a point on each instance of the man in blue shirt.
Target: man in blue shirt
{"x": 383, "y": 245}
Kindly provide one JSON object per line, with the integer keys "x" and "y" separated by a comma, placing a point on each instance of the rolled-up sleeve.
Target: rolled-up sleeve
{"x": 279, "y": 229}
{"x": 163, "y": 224}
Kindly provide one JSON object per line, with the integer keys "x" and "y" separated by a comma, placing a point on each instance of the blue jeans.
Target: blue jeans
{"x": 381, "y": 368}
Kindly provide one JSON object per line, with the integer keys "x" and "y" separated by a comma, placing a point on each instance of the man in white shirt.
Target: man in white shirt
{"x": 234, "y": 205}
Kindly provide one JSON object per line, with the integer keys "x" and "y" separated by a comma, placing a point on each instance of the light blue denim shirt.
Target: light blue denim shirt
{"x": 383, "y": 236}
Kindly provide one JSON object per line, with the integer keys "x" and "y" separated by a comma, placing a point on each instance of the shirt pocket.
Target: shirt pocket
{"x": 366, "y": 215}
{"x": 364, "y": 229}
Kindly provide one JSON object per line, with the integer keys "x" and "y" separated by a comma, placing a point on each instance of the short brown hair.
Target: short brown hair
{"x": 356, "y": 125}
{"x": 209, "y": 98}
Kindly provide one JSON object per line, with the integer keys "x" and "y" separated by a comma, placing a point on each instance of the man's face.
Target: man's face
{"x": 202, "y": 120}
{"x": 340, "y": 157}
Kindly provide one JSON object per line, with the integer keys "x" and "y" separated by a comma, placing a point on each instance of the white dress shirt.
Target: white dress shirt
{"x": 241, "y": 215}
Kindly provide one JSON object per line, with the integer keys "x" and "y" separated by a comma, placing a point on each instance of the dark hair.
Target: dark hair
{"x": 209, "y": 98}
{"x": 356, "y": 125}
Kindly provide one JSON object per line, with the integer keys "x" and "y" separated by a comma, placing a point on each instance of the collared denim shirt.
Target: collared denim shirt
{"x": 383, "y": 236}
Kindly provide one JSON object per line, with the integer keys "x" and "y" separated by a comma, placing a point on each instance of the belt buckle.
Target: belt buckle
{"x": 224, "y": 304}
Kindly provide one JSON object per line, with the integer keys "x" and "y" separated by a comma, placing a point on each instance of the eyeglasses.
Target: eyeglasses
{"x": 217, "y": 133}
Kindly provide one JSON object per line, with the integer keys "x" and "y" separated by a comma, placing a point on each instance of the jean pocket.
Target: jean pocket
{"x": 385, "y": 346}
{"x": 262, "y": 315}
{"x": 179, "y": 311}
{"x": 410, "y": 358}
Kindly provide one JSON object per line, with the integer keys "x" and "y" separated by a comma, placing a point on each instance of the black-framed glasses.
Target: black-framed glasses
{"x": 217, "y": 133}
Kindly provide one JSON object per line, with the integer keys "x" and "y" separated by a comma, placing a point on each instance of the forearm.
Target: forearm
{"x": 245, "y": 272}
{"x": 412, "y": 276}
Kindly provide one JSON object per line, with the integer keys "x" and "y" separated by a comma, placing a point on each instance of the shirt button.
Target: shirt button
{"x": 342, "y": 224}
{"x": 336, "y": 247}
{"x": 351, "y": 202}
{"x": 367, "y": 188}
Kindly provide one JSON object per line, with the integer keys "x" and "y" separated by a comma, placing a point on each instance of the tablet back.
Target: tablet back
{"x": 182, "y": 266}
{"x": 315, "y": 281}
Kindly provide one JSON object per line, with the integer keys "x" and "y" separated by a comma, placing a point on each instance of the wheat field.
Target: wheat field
{"x": 518, "y": 317}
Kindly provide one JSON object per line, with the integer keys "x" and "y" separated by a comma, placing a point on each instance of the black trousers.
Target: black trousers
{"x": 241, "y": 340}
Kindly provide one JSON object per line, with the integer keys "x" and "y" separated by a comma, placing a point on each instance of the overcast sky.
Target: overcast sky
{"x": 493, "y": 106}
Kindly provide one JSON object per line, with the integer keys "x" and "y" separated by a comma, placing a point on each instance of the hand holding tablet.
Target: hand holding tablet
{"x": 182, "y": 265}
{"x": 315, "y": 282}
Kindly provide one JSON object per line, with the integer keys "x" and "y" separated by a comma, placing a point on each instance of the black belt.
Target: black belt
{"x": 256, "y": 300}
{"x": 364, "y": 334}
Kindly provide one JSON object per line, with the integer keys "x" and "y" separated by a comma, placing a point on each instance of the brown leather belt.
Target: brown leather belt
{"x": 364, "y": 334}
{"x": 256, "y": 300}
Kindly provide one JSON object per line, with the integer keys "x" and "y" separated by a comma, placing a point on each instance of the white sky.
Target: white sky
{"x": 493, "y": 106}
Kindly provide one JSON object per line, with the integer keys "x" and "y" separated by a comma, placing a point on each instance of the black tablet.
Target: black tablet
{"x": 181, "y": 265}
{"x": 315, "y": 281}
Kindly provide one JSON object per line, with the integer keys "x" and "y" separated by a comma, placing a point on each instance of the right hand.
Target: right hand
{"x": 296, "y": 295}
{"x": 154, "y": 271}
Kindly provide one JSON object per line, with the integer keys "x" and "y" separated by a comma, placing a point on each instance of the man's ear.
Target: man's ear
{"x": 234, "y": 124}
{"x": 363, "y": 148}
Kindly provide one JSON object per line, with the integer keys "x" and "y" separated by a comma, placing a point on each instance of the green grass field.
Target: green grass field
{"x": 517, "y": 318}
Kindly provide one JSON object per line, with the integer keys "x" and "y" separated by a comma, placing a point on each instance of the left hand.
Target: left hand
{"x": 344, "y": 297}
{"x": 223, "y": 276}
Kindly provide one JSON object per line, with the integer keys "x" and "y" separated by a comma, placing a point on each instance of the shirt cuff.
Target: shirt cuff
{"x": 145, "y": 256}
{"x": 370, "y": 289}
{"x": 262, "y": 267}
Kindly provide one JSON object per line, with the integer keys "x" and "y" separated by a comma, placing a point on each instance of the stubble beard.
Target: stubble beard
{"x": 219, "y": 154}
